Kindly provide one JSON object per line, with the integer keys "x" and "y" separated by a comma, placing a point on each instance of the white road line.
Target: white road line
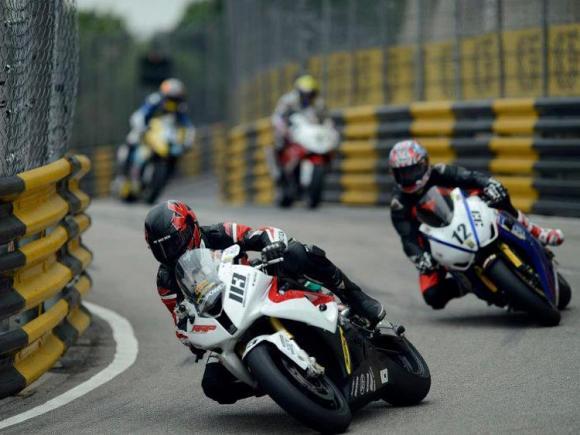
{"x": 126, "y": 352}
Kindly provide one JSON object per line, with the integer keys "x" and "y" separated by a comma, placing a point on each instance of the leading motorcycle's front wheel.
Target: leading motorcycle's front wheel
{"x": 155, "y": 175}
{"x": 315, "y": 402}
{"x": 521, "y": 296}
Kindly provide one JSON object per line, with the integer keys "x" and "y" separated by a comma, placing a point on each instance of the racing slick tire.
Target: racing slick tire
{"x": 408, "y": 381}
{"x": 316, "y": 186}
{"x": 521, "y": 296}
{"x": 159, "y": 177}
{"x": 565, "y": 292}
{"x": 317, "y": 403}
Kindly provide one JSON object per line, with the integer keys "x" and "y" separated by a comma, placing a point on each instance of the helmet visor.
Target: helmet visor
{"x": 409, "y": 176}
{"x": 169, "y": 248}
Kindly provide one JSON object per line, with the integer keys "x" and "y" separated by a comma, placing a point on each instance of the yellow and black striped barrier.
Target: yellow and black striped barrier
{"x": 531, "y": 145}
{"x": 42, "y": 269}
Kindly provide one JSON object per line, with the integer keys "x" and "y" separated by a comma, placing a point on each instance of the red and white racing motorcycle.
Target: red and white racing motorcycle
{"x": 293, "y": 344}
{"x": 305, "y": 160}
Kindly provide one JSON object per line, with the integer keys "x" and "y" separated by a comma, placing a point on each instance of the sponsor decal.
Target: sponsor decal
{"x": 202, "y": 329}
{"x": 237, "y": 288}
{"x": 363, "y": 384}
{"x": 384, "y": 373}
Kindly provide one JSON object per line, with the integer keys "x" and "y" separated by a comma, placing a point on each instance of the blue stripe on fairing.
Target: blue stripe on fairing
{"x": 470, "y": 220}
{"x": 451, "y": 245}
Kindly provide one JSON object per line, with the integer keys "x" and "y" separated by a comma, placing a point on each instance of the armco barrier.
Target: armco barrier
{"x": 42, "y": 269}
{"x": 531, "y": 145}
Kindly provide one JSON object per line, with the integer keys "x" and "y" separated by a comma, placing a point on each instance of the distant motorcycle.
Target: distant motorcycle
{"x": 155, "y": 160}
{"x": 314, "y": 361}
{"x": 492, "y": 255}
{"x": 305, "y": 160}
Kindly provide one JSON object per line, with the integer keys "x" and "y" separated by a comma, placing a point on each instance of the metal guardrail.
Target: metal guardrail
{"x": 531, "y": 145}
{"x": 42, "y": 269}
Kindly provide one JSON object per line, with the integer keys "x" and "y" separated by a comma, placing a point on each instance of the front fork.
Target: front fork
{"x": 522, "y": 270}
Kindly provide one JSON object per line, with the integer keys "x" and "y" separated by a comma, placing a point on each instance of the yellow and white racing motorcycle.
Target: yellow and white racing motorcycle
{"x": 155, "y": 160}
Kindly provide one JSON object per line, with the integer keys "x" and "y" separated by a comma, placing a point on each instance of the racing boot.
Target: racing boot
{"x": 360, "y": 303}
{"x": 546, "y": 236}
{"x": 367, "y": 307}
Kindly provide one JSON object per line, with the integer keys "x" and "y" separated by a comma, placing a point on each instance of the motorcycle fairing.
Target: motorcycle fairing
{"x": 476, "y": 232}
{"x": 515, "y": 234}
{"x": 302, "y": 306}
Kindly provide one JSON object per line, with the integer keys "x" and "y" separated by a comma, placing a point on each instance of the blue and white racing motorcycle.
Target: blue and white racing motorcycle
{"x": 492, "y": 255}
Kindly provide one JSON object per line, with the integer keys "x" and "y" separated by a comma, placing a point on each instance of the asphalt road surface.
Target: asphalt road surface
{"x": 492, "y": 371}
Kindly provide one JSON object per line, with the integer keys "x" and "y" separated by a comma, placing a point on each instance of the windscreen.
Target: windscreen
{"x": 197, "y": 275}
{"x": 435, "y": 208}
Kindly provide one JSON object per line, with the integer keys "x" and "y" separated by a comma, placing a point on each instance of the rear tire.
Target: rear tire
{"x": 330, "y": 414}
{"x": 521, "y": 296}
{"x": 316, "y": 186}
{"x": 411, "y": 384}
{"x": 565, "y": 292}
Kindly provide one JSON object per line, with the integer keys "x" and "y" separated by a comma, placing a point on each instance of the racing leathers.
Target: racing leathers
{"x": 289, "y": 104}
{"x": 299, "y": 261}
{"x": 437, "y": 290}
{"x": 154, "y": 105}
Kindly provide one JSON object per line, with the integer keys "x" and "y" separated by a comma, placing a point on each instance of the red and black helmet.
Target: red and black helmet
{"x": 170, "y": 229}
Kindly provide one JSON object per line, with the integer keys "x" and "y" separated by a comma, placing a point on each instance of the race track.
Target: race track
{"x": 493, "y": 372}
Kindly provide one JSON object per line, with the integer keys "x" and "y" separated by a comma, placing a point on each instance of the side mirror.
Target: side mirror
{"x": 230, "y": 253}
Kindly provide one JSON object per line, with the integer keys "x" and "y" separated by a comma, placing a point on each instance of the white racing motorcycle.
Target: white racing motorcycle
{"x": 294, "y": 344}
{"x": 305, "y": 160}
{"x": 492, "y": 255}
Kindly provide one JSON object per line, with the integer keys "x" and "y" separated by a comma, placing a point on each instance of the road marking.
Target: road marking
{"x": 126, "y": 352}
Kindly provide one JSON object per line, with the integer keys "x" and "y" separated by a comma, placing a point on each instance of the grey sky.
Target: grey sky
{"x": 144, "y": 17}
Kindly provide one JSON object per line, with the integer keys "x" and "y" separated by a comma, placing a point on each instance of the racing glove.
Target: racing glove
{"x": 425, "y": 263}
{"x": 495, "y": 192}
{"x": 274, "y": 252}
{"x": 181, "y": 317}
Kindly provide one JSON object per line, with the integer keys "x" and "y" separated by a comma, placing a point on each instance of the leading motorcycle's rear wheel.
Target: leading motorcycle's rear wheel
{"x": 315, "y": 402}
{"x": 521, "y": 296}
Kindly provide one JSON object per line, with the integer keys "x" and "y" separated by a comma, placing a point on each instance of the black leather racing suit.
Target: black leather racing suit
{"x": 435, "y": 288}
{"x": 299, "y": 261}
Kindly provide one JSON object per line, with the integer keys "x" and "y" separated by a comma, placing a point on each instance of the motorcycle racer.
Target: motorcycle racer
{"x": 303, "y": 99}
{"x": 409, "y": 163}
{"x": 171, "y": 228}
{"x": 170, "y": 99}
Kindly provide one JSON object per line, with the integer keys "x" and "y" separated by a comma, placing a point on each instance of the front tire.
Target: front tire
{"x": 316, "y": 186}
{"x": 153, "y": 188}
{"x": 521, "y": 296}
{"x": 317, "y": 403}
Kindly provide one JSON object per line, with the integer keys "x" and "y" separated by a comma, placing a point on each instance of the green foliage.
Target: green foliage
{"x": 102, "y": 23}
{"x": 199, "y": 13}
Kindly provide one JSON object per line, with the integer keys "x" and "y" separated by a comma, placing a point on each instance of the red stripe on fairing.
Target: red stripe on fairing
{"x": 314, "y": 297}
